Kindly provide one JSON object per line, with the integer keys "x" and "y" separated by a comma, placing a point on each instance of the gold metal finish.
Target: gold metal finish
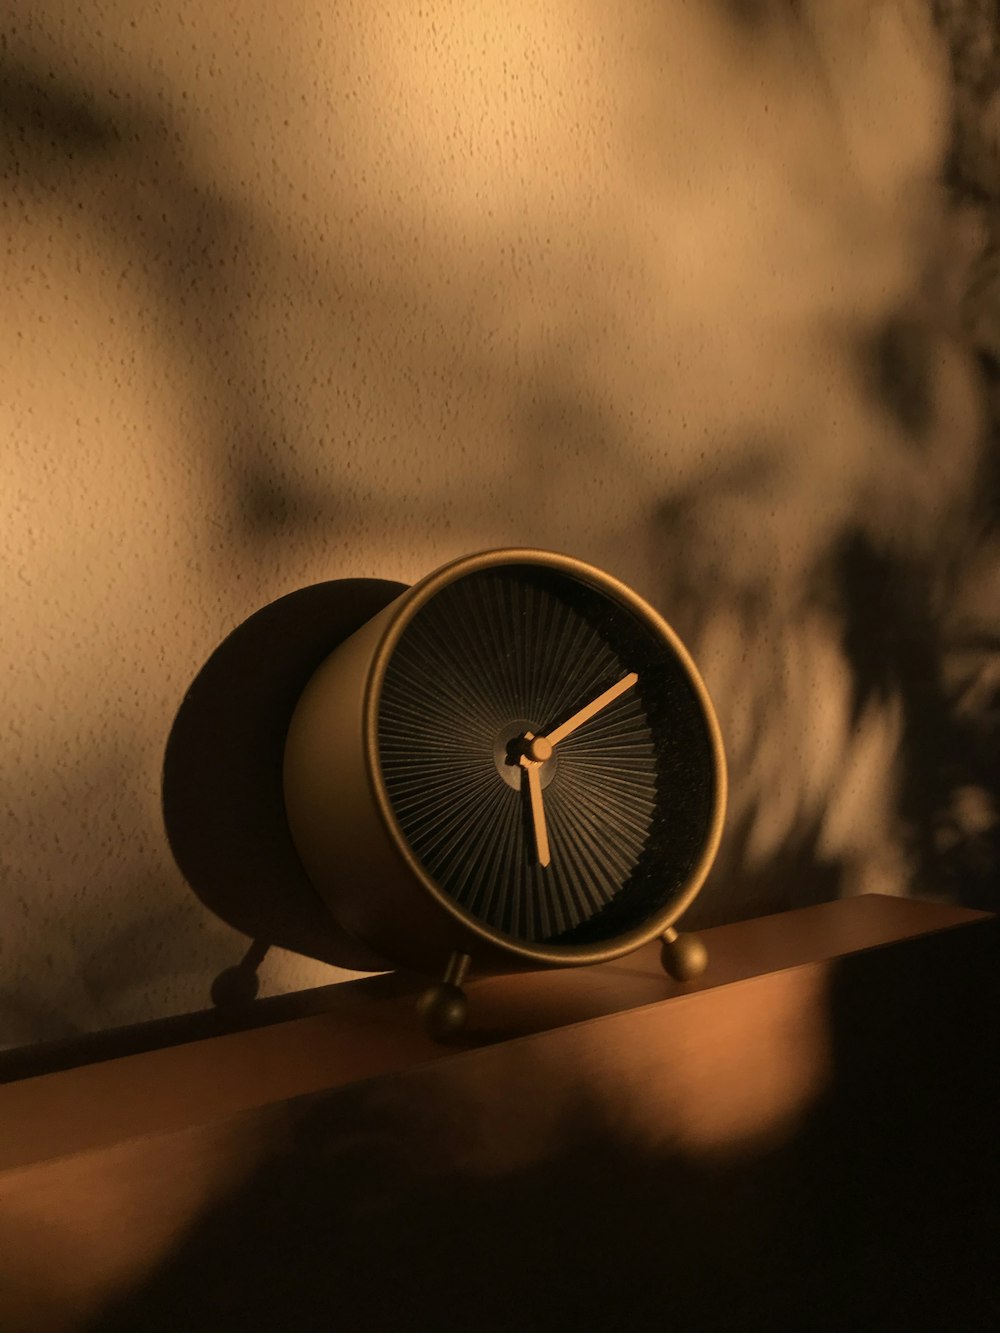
{"x": 458, "y": 966}
{"x": 346, "y": 831}
{"x": 683, "y": 955}
{"x": 444, "y": 1008}
{"x": 529, "y": 769}
{"x": 538, "y": 750}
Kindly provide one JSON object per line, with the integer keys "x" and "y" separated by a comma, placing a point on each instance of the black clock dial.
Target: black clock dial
{"x": 628, "y": 795}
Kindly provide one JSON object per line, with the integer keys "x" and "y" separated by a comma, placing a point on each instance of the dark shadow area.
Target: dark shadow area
{"x": 901, "y": 632}
{"x": 797, "y": 875}
{"x": 896, "y": 646}
{"x": 43, "y": 117}
{"x": 86, "y": 1048}
{"x": 880, "y": 1212}
{"x": 223, "y": 805}
{"x": 899, "y": 365}
{"x": 753, "y": 17}
{"x": 117, "y": 161}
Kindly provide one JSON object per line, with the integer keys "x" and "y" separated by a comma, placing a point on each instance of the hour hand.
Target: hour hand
{"x": 530, "y": 773}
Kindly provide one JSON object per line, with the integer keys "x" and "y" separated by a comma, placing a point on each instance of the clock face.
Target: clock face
{"x": 546, "y": 755}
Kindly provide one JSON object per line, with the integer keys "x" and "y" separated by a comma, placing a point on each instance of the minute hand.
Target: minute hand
{"x": 590, "y": 710}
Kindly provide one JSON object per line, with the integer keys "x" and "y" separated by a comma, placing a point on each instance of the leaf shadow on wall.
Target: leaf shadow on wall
{"x": 123, "y": 169}
{"x": 91, "y": 152}
{"x": 893, "y": 621}
{"x": 897, "y": 644}
{"x": 113, "y": 167}
{"x": 123, "y": 166}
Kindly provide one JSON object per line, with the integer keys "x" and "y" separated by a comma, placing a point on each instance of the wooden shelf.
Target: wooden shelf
{"x": 109, "y": 1169}
{"x": 369, "y": 1027}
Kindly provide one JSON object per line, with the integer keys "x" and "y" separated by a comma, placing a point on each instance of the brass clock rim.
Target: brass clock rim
{"x": 401, "y": 614}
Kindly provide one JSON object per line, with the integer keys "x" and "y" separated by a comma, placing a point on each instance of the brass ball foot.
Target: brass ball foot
{"x": 235, "y": 987}
{"x": 444, "y": 1009}
{"x": 683, "y": 955}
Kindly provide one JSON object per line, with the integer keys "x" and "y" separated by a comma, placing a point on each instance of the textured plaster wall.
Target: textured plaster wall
{"x": 293, "y": 292}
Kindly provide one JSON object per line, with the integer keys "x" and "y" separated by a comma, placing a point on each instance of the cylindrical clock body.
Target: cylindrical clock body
{"x": 339, "y": 824}
{"x": 346, "y": 797}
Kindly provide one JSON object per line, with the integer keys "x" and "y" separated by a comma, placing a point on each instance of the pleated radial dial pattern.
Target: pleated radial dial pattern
{"x": 548, "y": 754}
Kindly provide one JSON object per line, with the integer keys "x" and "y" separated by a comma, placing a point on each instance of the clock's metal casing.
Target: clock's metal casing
{"x": 343, "y": 825}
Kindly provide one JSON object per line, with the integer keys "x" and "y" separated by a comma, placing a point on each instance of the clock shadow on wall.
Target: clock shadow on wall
{"x": 223, "y": 805}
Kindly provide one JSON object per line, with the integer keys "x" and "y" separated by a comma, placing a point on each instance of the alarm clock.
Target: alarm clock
{"x": 514, "y": 765}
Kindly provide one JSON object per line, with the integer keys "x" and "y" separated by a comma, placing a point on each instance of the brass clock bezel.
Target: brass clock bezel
{"x": 406, "y": 608}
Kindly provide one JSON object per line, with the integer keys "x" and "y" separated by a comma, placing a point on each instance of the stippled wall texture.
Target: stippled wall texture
{"x": 295, "y": 292}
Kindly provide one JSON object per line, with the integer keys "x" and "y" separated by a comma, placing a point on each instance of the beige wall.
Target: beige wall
{"x": 298, "y": 292}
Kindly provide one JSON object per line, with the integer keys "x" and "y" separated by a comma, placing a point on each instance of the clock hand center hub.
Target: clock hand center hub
{"x": 511, "y": 754}
{"x": 537, "y": 750}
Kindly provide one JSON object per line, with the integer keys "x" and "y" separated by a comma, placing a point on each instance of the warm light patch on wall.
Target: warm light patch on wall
{"x": 301, "y": 292}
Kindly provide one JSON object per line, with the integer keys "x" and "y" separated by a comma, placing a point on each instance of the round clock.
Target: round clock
{"x": 514, "y": 765}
